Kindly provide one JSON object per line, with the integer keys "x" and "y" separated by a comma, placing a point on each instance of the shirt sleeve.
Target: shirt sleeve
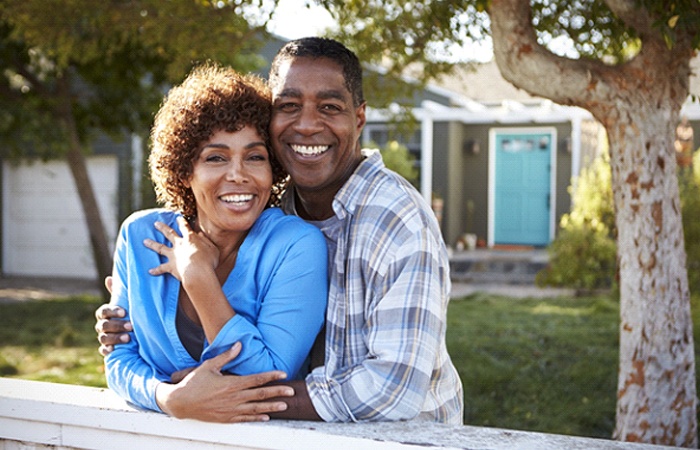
{"x": 402, "y": 331}
{"x": 127, "y": 373}
{"x": 292, "y": 312}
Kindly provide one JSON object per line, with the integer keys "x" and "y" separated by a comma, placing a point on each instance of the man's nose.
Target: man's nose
{"x": 308, "y": 121}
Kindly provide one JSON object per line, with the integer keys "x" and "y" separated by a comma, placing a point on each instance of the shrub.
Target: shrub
{"x": 583, "y": 255}
{"x": 397, "y": 158}
{"x": 582, "y": 258}
{"x": 689, "y": 187}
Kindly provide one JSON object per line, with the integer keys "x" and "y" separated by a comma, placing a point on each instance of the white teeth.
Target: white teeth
{"x": 309, "y": 150}
{"x": 239, "y": 198}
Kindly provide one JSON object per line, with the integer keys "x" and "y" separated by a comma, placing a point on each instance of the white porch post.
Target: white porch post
{"x": 426, "y": 158}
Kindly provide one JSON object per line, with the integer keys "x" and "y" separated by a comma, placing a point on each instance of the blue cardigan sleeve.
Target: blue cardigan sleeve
{"x": 127, "y": 373}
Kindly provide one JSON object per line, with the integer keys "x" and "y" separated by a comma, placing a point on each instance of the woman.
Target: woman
{"x": 241, "y": 272}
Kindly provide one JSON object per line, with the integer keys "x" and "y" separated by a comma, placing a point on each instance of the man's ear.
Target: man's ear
{"x": 361, "y": 116}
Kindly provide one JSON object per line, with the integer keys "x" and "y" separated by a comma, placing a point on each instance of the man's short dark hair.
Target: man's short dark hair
{"x": 317, "y": 47}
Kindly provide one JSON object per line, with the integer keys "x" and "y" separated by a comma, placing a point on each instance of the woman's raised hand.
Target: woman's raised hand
{"x": 190, "y": 252}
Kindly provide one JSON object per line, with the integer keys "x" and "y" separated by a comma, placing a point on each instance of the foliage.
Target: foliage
{"x": 591, "y": 195}
{"x": 588, "y": 25}
{"x": 73, "y": 69}
{"x": 113, "y": 58}
{"x": 689, "y": 185}
{"x": 397, "y": 158}
{"x": 583, "y": 254}
{"x": 581, "y": 258}
{"x": 396, "y": 35}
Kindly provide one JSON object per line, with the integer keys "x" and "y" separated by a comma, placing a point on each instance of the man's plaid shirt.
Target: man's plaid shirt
{"x": 386, "y": 357}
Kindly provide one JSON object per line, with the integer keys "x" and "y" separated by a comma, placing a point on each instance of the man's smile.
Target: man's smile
{"x": 309, "y": 150}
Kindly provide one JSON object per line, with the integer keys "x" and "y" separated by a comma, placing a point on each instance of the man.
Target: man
{"x": 385, "y": 355}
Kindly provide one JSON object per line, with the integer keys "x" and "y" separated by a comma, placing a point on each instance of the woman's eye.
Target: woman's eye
{"x": 214, "y": 158}
{"x": 258, "y": 157}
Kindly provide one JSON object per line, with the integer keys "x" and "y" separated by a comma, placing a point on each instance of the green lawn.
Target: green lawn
{"x": 537, "y": 364}
{"x": 545, "y": 365}
{"x": 51, "y": 341}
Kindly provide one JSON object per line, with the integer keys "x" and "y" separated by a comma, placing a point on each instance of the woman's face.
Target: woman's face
{"x": 231, "y": 181}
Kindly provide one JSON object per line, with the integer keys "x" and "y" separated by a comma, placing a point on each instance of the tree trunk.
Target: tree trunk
{"x": 656, "y": 381}
{"x": 76, "y": 162}
{"x": 98, "y": 238}
{"x": 638, "y": 103}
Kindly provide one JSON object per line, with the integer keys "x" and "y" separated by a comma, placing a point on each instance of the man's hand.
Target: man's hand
{"x": 110, "y": 327}
{"x": 208, "y": 395}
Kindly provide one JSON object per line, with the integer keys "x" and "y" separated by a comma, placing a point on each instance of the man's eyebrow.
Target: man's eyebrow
{"x": 332, "y": 94}
{"x": 325, "y": 95}
{"x": 289, "y": 92}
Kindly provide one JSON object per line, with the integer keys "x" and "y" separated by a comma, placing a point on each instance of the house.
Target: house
{"x": 42, "y": 230}
{"x": 500, "y": 160}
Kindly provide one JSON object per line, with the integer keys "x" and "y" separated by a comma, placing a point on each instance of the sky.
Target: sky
{"x": 293, "y": 20}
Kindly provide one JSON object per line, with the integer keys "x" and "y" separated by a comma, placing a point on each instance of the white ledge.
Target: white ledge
{"x": 36, "y": 414}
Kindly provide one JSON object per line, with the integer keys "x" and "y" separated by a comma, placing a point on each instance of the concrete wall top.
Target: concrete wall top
{"x": 35, "y": 414}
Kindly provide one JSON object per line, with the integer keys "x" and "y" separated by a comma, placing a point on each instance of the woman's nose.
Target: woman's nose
{"x": 236, "y": 171}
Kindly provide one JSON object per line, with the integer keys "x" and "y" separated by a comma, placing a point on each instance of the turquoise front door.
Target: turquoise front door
{"x": 522, "y": 198}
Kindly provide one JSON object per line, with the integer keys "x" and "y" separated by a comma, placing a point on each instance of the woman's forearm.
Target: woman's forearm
{"x": 212, "y": 306}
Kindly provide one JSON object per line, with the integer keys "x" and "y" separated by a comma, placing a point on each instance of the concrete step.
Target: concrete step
{"x": 487, "y": 266}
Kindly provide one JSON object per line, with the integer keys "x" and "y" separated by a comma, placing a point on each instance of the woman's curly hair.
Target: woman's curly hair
{"x": 212, "y": 98}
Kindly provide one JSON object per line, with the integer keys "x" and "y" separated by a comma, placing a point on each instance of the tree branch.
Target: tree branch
{"x": 634, "y": 15}
{"x": 523, "y": 61}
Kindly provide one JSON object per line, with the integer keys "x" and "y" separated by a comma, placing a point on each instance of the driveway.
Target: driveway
{"x": 16, "y": 289}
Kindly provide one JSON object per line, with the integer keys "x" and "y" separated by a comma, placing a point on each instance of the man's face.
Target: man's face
{"x": 315, "y": 128}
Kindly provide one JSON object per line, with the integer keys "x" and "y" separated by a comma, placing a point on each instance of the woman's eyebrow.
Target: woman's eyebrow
{"x": 256, "y": 144}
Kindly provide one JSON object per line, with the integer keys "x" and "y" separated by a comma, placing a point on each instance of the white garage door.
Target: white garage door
{"x": 44, "y": 230}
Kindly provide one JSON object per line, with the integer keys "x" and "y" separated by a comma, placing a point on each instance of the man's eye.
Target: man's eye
{"x": 288, "y": 107}
{"x": 331, "y": 108}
